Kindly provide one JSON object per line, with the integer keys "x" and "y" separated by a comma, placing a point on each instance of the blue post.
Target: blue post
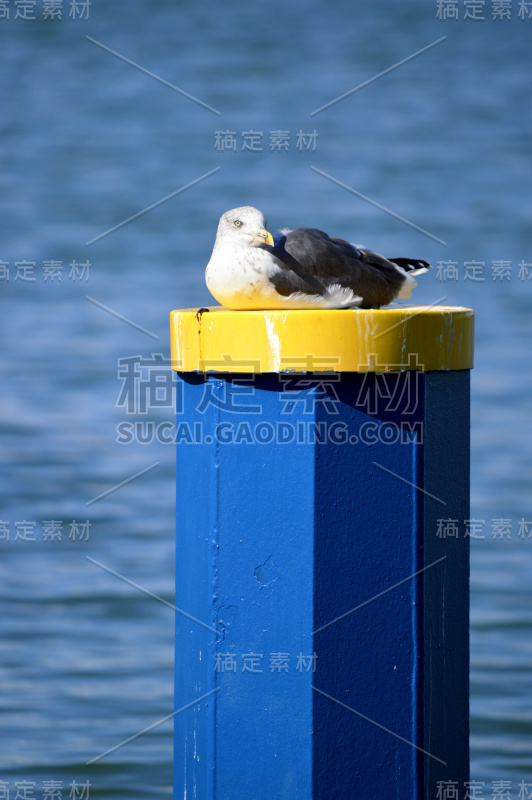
{"x": 322, "y": 651}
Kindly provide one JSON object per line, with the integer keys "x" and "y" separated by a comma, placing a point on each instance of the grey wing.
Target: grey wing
{"x": 292, "y": 277}
{"x": 313, "y": 254}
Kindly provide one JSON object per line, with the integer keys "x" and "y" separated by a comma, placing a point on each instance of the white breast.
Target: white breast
{"x": 238, "y": 278}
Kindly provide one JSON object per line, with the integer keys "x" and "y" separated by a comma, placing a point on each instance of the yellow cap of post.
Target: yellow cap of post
{"x": 348, "y": 340}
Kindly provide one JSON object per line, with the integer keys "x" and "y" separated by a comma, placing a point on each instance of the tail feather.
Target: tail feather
{"x": 413, "y": 266}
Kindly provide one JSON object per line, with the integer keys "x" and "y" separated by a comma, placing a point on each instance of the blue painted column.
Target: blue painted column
{"x": 322, "y": 631}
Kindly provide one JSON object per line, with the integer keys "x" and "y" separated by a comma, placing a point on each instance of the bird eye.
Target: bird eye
{"x": 237, "y": 223}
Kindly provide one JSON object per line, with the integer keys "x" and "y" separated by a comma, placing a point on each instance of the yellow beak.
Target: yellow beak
{"x": 266, "y": 235}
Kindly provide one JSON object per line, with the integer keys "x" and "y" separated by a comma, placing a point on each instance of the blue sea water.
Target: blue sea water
{"x": 88, "y": 141}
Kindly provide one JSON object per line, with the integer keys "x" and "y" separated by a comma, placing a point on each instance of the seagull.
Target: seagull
{"x": 303, "y": 268}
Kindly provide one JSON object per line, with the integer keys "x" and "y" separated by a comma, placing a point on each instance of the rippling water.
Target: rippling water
{"x": 87, "y": 141}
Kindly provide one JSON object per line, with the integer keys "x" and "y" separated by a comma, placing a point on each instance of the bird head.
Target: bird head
{"x": 246, "y": 226}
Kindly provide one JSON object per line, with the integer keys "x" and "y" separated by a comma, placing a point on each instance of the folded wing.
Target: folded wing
{"x": 315, "y": 262}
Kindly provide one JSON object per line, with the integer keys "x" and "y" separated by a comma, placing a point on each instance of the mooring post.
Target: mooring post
{"x": 322, "y": 573}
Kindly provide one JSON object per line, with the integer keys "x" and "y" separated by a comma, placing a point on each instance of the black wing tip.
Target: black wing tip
{"x": 410, "y": 264}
